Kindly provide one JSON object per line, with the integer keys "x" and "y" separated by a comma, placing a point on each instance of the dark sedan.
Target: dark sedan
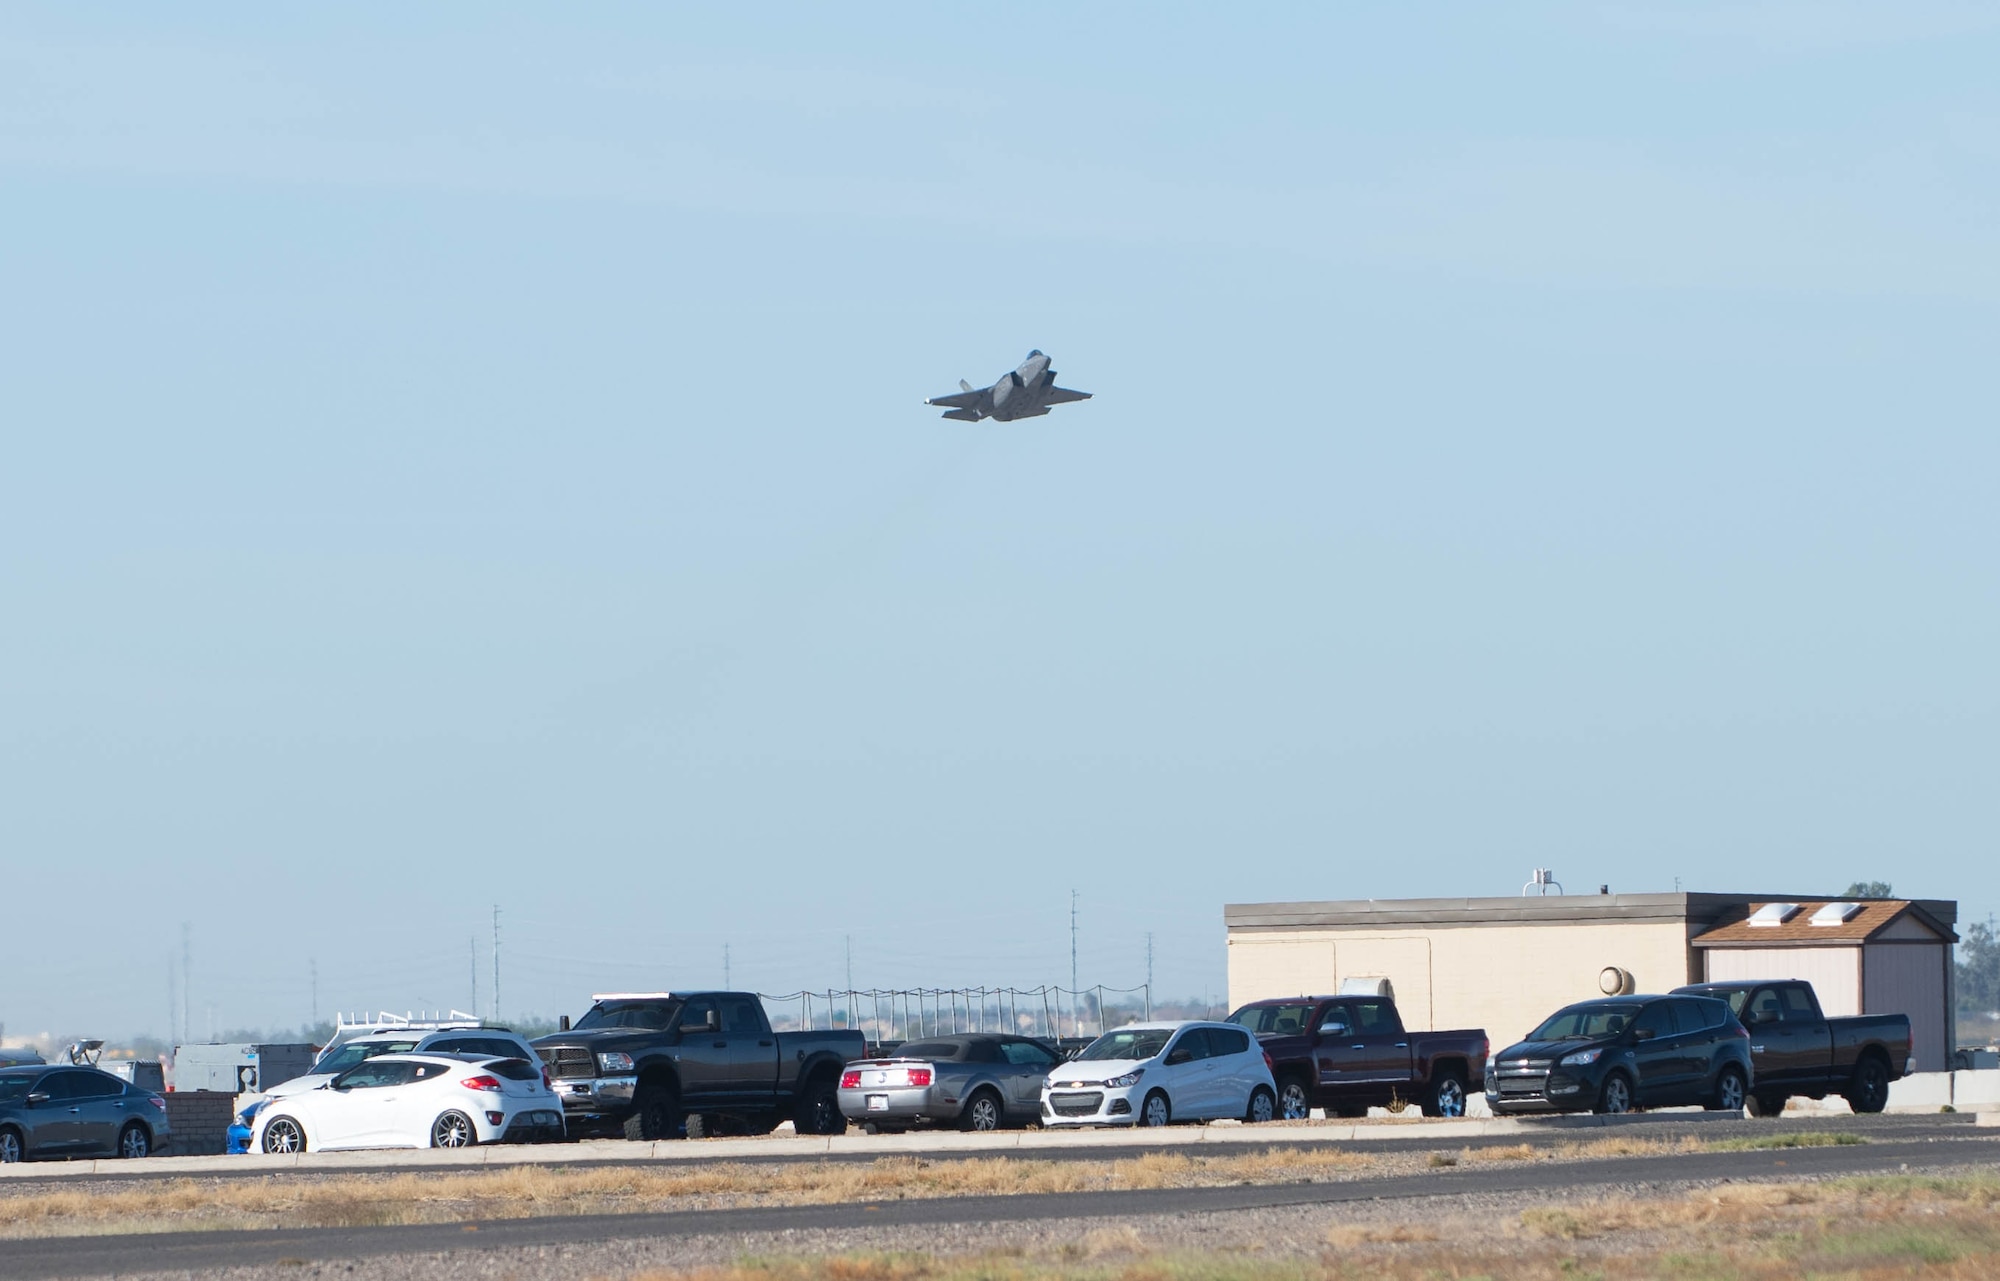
{"x": 77, "y": 1111}
{"x": 1626, "y": 1052}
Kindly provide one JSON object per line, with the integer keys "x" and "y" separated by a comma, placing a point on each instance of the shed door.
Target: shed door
{"x": 1908, "y": 978}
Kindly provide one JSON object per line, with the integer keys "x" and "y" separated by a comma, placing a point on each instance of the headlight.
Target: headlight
{"x": 1582, "y": 1057}
{"x": 613, "y": 1061}
{"x": 1127, "y": 1081}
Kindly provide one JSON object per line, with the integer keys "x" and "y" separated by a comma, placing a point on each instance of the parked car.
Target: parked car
{"x": 1624, "y": 1052}
{"x": 654, "y": 1065}
{"x": 415, "y": 1101}
{"x": 1349, "y": 1053}
{"x": 1158, "y": 1073}
{"x": 77, "y": 1111}
{"x": 492, "y": 1042}
{"x": 976, "y": 1082}
{"x": 1796, "y": 1049}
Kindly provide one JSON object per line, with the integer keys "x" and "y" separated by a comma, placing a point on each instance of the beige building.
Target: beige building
{"x": 1505, "y": 964}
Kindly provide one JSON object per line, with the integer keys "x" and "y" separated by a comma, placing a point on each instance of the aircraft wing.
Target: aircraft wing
{"x": 1062, "y": 396}
{"x": 963, "y": 415}
{"x": 957, "y": 400}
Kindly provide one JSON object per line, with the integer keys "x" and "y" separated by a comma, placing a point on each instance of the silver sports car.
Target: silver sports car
{"x": 977, "y": 1081}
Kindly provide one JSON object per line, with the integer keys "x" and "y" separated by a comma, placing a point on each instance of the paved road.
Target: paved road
{"x": 196, "y": 1251}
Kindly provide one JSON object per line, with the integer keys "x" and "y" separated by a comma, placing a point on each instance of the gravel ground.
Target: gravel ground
{"x": 1492, "y": 1220}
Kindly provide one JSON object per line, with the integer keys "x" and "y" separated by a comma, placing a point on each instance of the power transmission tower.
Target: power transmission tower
{"x": 850, "y": 980}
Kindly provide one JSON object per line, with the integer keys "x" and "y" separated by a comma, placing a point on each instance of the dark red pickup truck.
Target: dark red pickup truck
{"x": 1350, "y": 1053}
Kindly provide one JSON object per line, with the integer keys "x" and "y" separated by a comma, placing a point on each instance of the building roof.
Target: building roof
{"x": 1699, "y": 913}
{"x": 1846, "y": 921}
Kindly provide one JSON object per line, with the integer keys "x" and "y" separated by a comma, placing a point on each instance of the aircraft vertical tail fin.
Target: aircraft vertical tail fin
{"x": 964, "y": 385}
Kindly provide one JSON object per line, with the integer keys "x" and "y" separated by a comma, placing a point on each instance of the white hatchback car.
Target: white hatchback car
{"x": 414, "y": 1101}
{"x": 1158, "y": 1073}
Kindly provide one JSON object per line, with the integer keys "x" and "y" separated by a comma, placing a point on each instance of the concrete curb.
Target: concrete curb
{"x": 1220, "y": 1134}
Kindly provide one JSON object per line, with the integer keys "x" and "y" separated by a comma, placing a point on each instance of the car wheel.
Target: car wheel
{"x": 982, "y": 1113}
{"x": 10, "y": 1147}
{"x": 1616, "y": 1096}
{"x": 1155, "y": 1111}
{"x": 1870, "y": 1091}
{"x": 133, "y": 1141}
{"x": 1730, "y": 1090}
{"x": 1446, "y": 1096}
{"x": 283, "y": 1135}
{"x": 819, "y": 1110}
{"x": 699, "y": 1125}
{"x": 453, "y": 1130}
{"x": 1294, "y": 1099}
{"x": 1772, "y": 1104}
{"x": 1263, "y": 1106}
{"x": 653, "y": 1116}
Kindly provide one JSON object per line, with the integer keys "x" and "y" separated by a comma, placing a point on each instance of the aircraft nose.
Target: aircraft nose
{"x": 1034, "y": 353}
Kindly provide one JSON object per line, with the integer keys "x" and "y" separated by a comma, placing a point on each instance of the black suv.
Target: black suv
{"x": 1626, "y": 1052}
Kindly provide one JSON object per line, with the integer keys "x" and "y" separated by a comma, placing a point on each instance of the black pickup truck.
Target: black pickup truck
{"x": 1348, "y": 1053}
{"x": 660, "y": 1064}
{"x": 1798, "y": 1050}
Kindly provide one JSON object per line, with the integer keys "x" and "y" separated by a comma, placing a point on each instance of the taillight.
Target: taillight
{"x": 850, "y": 1080}
{"x": 920, "y": 1076}
{"x": 157, "y": 1101}
{"x": 1270, "y": 1066}
{"x": 482, "y": 1083}
{"x": 546, "y": 1083}
{"x": 1741, "y": 1031}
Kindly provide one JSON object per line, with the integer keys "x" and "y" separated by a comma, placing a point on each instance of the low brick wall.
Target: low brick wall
{"x": 200, "y": 1120}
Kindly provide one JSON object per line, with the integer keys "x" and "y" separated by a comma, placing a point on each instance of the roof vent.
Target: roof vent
{"x": 1772, "y": 915}
{"x": 1836, "y": 914}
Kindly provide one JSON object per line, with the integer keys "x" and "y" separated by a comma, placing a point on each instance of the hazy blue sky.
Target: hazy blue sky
{"x": 458, "y": 456}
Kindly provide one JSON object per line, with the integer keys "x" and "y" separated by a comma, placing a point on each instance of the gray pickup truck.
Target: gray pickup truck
{"x": 1796, "y": 1049}
{"x": 655, "y": 1065}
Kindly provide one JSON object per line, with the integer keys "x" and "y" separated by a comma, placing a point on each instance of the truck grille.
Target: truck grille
{"x": 567, "y": 1062}
{"x": 1077, "y": 1104}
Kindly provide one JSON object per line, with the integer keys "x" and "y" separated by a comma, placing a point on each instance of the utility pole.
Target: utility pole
{"x": 313, "y": 967}
{"x": 1075, "y": 1017}
{"x": 173, "y": 1005}
{"x": 496, "y": 962}
{"x": 472, "y": 947}
{"x": 850, "y": 980}
{"x": 187, "y": 977}
{"x": 1149, "y": 976}
{"x": 726, "y": 984}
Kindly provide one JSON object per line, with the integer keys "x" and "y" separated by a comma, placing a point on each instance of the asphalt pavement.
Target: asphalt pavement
{"x": 31, "y": 1260}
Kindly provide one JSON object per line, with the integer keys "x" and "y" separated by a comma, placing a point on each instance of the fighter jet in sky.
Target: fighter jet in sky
{"x": 1026, "y": 393}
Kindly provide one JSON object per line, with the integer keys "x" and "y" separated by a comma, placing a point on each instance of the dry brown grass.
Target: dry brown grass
{"x": 526, "y": 1191}
{"x": 1911, "y": 1229}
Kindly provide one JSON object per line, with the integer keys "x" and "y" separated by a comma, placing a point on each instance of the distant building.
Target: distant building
{"x": 1506, "y": 963}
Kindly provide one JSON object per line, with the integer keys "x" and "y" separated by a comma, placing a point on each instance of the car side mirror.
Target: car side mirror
{"x": 38, "y": 1098}
{"x": 1333, "y": 1029}
{"x": 1763, "y": 1016}
{"x": 1642, "y": 1034}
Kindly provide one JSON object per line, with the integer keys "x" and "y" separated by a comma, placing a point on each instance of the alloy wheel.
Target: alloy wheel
{"x": 1617, "y": 1097}
{"x": 451, "y": 1131}
{"x": 1297, "y": 1103}
{"x": 133, "y": 1143}
{"x": 1729, "y": 1092}
{"x": 985, "y": 1113}
{"x": 284, "y": 1135}
{"x": 1450, "y": 1097}
{"x": 10, "y": 1147}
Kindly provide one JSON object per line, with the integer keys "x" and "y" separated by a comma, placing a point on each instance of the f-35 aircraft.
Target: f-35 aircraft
{"x": 1026, "y": 393}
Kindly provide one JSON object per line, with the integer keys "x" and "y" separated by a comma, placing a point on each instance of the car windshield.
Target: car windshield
{"x": 1283, "y": 1020}
{"x": 1585, "y": 1022}
{"x": 359, "y": 1052}
{"x": 1129, "y": 1043}
{"x": 14, "y": 1088}
{"x": 651, "y": 1016}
